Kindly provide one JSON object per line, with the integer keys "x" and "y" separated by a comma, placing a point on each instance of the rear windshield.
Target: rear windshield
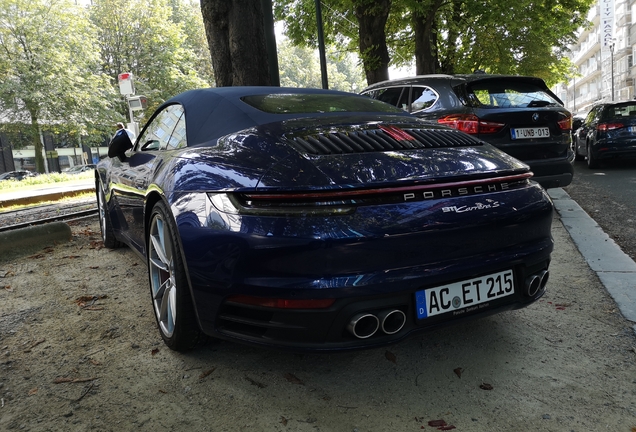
{"x": 622, "y": 110}
{"x": 509, "y": 94}
{"x": 317, "y": 103}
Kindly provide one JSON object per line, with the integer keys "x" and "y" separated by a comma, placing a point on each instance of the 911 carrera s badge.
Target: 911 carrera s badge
{"x": 477, "y": 206}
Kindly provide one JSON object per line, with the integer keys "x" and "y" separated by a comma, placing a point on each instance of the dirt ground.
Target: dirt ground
{"x": 79, "y": 351}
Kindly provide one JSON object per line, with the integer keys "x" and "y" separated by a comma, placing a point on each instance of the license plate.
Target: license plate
{"x": 528, "y": 133}
{"x": 468, "y": 294}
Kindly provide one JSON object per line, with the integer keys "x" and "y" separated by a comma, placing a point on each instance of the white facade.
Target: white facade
{"x": 599, "y": 65}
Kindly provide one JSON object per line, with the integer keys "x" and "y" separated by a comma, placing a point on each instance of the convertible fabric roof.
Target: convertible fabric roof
{"x": 214, "y": 112}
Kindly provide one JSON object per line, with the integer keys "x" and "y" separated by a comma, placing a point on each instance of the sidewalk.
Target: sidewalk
{"x": 615, "y": 269}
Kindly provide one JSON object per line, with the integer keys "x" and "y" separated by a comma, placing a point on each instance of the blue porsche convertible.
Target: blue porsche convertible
{"x": 319, "y": 220}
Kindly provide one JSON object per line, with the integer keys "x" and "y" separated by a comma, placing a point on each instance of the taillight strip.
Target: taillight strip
{"x": 359, "y": 192}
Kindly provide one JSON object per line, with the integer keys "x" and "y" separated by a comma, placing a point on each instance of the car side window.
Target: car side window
{"x": 178, "y": 138}
{"x": 423, "y": 98}
{"x": 157, "y": 134}
{"x": 395, "y": 96}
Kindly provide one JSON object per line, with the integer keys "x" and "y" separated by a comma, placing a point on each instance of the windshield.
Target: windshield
{"x": 509, "y": 94}
{"x": 317, "y": 103}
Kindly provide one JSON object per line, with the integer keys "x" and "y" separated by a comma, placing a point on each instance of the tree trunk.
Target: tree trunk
{"x": 426, "y": 38}
{"x": 236, "y": 37}
{"x": 448, "y": 61}
{"x": 372, "y": 16}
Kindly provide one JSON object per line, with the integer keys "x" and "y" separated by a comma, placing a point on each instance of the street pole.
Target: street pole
{"x": 321, "y": 46}
{"x": 612, "y": 62}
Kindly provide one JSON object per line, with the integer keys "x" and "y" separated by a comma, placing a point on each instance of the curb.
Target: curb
{"x": 615, "y": 269}
{"x": 25, "y": 240}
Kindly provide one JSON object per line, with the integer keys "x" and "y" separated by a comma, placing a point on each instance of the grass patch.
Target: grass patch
{"x": 44, "y": 179}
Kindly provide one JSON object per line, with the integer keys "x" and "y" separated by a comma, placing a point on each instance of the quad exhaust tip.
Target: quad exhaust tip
{"x": 365, "y": 325}
{"x": 536, "y": 283}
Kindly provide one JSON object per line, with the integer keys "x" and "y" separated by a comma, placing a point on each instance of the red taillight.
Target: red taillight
{"x": 282, "y": 303}
{"x": 470, "y": 123}
{"x": 566, "y": 123}
{"x": 604, "y": 127}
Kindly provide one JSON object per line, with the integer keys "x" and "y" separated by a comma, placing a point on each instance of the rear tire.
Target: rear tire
{"x": 105, "y": 224}
{"x": 592, "y": 161}
{"x": 577, "y": 155}
{"x": 169, "y": 288}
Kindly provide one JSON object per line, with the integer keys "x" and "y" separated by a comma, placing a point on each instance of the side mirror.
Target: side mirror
{"x": 150, "y": 145}
{"x": 119, "y": 145}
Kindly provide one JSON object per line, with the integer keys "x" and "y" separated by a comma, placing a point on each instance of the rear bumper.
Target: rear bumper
{"x": 553, "y": 173}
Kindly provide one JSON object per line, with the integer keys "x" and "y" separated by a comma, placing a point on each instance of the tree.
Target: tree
{"x": 144, "y": 38}
{"x": 299, "y": 67}
{"x": 349, "y": 25}
{"x": 453, "y": 36}
{"x": 236, "y": 38}
{"x": 49, "y": 69}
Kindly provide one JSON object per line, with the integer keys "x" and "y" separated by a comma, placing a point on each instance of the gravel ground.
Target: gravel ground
{"x": 79, "y": 351}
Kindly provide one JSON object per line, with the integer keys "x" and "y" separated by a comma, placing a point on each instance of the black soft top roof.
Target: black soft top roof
{"x": 214, "y": 112}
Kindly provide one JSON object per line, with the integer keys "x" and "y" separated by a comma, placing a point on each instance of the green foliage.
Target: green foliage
{"x": 300, "y": 67}
{"x": 49, "y": 68}
{"x": 159, "y": 41}
{"x": 498, "y": 36}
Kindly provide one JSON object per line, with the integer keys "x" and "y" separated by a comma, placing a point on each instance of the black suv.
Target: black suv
{"x": 518, "y": 114}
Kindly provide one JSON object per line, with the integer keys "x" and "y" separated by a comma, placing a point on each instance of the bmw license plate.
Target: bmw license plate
{"x": 528, "y": 133}
{"x": 468, "y": 294}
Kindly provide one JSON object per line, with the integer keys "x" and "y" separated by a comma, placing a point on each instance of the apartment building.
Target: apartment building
{"x": 604, "y": 58}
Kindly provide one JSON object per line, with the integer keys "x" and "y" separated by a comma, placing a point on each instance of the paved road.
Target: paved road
{"x": 608, "y": 195}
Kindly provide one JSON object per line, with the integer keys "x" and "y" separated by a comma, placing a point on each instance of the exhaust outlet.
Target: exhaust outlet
{"x": 536, "y": 283}
{"x": 392, "y": 321}
{"x": 363, "y": 325}
{"x": 533, "y": 284}
{"x": 545, "y": 275}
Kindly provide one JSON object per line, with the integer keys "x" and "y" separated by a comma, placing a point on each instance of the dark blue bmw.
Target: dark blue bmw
{"x": 319, "y": 220}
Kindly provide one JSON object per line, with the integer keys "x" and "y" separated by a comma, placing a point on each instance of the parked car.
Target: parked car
{"x": 77, "y": 169}
{"x": 17, "y": 175}
{"x": 608, "y": 132}
{"x": 319, "y": 220}
{"x": 518, "y": 114}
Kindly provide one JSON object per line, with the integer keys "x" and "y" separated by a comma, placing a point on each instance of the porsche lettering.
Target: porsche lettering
{"x": 454, "y": 192}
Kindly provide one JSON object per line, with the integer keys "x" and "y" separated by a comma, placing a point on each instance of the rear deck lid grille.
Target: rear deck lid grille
{"x": 386, "y": 138}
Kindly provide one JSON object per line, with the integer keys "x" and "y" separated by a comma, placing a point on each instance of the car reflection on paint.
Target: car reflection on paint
{"x": 318, "y": 220}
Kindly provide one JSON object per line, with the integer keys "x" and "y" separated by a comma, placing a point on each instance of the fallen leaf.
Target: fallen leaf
{"x": 163, "y": 391}
{"x": 33, "y": 391}
{"x": 206, "y": 373}
{"x": 94, "y": 362}
{"x": 437, "y": 423}
{"x": 390, "y": 357}
{"x": 94, "y": 267}
{"x": 458, "y": 371}
{"x": 8, "y": 288}
{"x": 256, "y": 383}
{"x": 37, "y": 256}
{"x": 72, "y": 256}
{"x": 283, "y": 420}
{"x": 486, "y": 386}
{"x": 154, "y": 351}
{"x": 293, "y": 379}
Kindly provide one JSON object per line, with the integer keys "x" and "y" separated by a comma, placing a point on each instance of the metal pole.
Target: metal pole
{"x": 612, "y": 61}
{"x": 321, "y": 46}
